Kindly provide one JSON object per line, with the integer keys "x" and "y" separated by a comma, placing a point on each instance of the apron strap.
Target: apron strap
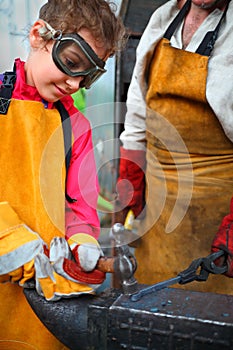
{"x": 67, "y": 132}
{"x": 6, "y": 90}
{"x": 210, "y": 38}
{"x": 177, "y": 20}
{"x": 208, "y": 42}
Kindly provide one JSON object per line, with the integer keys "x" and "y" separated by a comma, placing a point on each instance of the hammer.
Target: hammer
{"x": 123, "y": 264}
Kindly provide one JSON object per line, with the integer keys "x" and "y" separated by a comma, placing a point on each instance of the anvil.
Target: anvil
{"x": 171, "y": 318}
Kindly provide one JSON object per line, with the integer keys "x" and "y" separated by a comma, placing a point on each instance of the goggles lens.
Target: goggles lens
{"x": 74, "y": 57}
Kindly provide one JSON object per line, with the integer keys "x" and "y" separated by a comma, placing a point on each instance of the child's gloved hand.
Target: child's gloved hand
{"x": 24, "y": 256}
{"x": 86, "y": 252}
{"x": 55, "y": 280}
{"x": 63, "y": 264}
{"x": 18, "y": 247}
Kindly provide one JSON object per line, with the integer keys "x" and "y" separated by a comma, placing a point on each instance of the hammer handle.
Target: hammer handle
{"x": 106, "y": 264}
{"x": 111, "y": 264}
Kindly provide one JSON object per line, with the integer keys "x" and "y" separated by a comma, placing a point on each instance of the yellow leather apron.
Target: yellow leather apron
{"x": 189, "y": 170}
{"x": 32, "y": 181}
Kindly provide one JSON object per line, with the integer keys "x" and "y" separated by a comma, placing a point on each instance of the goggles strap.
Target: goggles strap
{"x": 47, "y": 32}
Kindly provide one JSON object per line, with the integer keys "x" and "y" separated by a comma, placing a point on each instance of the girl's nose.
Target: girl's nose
{"x": 74, "y": 83}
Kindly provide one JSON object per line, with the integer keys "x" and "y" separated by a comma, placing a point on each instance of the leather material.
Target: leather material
{"x": 86, "y": 252}
{"x": 22, "y": 140}
{"x": 189, "y": 170}
{"x": 131, "y": 180}
{"x": 223, "y": 240}
{"x": 40, "y": 183}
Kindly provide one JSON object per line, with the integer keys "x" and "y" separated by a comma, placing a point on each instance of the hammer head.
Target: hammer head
{"x": 125, "y": 264}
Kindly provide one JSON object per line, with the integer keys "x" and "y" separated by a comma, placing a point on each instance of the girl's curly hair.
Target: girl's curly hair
{"x": 98, "y": 16}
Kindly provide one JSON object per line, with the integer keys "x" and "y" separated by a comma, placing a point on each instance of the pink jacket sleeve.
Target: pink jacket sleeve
{"x": 82, "y": 182}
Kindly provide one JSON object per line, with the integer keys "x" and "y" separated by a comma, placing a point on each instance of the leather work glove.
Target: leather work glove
{"x": 58, "y": 276}
{"x": 86, "y": 252}
{"x": 223, "y": 240}
{"x": 23, "y": 275}
{"x": 130, "y": 184}
{"x": 18, "y": 247}
{"x": 25, "y": 257}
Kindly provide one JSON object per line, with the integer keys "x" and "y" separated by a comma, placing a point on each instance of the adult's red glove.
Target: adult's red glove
{"x": 131, "y": 181}
{"x": 224, "y": 240}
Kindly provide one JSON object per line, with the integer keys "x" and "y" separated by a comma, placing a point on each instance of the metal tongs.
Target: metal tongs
{"x": 198, "y": 270}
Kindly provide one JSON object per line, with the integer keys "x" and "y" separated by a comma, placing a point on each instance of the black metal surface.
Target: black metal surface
{"x": 171, "y": 319}
{"x": 66, "y": 319}
{"x": 69, "y": 319}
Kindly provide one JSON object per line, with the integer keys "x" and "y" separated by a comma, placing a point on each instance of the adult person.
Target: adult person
{"x": 48, "y": 180}
{"x": 178, "y": 132}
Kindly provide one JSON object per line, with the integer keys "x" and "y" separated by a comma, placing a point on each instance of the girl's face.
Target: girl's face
{"x": 42, "y": 73}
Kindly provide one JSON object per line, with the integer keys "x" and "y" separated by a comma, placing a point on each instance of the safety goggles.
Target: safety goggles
{"x": 74, "y": 57}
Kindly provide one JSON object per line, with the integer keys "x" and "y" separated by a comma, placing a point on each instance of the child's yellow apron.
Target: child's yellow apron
{"x": 32, "y": 157}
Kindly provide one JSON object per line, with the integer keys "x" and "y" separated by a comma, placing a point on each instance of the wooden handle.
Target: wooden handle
{"x": 106, "y": 264}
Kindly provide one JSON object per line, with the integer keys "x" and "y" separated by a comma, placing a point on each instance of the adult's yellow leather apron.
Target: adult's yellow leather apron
{"x": 32, "y": 181}
{"x": 189, "y": 170}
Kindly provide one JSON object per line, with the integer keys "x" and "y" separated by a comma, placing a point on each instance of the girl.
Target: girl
{"x": 41, "y": 198}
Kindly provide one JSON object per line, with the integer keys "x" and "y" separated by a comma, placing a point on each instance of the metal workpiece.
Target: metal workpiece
{"x": 170, "y": 319}
{"x": 198, "y": 270}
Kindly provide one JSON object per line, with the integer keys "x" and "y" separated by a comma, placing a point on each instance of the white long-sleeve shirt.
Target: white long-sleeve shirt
{"x": 219, "y": 91}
